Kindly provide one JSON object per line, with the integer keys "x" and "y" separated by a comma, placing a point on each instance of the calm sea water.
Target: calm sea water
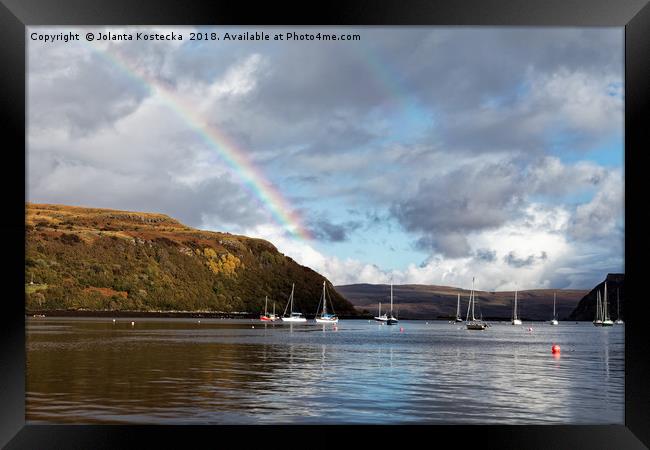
{"x": 85, "y": 370}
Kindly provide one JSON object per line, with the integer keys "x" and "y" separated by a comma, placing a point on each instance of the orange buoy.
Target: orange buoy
{"x": 555, "y": 348}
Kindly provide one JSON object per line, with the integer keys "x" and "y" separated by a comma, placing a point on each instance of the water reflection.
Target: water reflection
{"x": 174, "y": 371}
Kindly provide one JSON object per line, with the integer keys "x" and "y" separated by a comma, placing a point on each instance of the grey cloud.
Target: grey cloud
{"x": 465, "y": 200}
{"x": 78, "y": 94}
{"x": 221, "y": 199}
{"x": 325, "y": 230}
{"x": 450, "y": 244}
{"x": 513, "y": 260}
{"x": 485, "y": 254}
{"x": 601, "y": 218}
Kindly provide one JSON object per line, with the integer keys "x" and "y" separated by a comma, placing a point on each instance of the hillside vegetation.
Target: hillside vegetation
{"x": 100, "y": 259}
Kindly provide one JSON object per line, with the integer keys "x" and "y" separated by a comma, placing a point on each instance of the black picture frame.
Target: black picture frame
{"x": 15, "y": 15}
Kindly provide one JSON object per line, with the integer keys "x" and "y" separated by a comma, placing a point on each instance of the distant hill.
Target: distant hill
{"x": 101, "y": 259}
{"x": 417, "y": 301}
{"x": 586, "y": 308}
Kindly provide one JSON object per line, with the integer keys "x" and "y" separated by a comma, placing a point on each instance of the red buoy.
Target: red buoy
{"x": 555, "y": 348}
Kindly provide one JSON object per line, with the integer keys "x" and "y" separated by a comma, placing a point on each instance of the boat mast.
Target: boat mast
{"x": 379, "y": 310}
{"x": 324, "y": 301}
{"x": 391, "y": 299}
{"x": 515, "y": 317}
{"x": 605, "y": 312}
{"x": 472, "y": 300}
{"x": 554, "y": 304}
{"x": 618, "y": 305}
{"x": 458, "y": 307}
{"x": 598, "y": 305}
{"x": 266, "y": 302}
{"x": 292, "y": 286}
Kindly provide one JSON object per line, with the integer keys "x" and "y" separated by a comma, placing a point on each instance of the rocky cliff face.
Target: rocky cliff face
{"x": 99, "y": 259}
{"x": 586, "y": 309}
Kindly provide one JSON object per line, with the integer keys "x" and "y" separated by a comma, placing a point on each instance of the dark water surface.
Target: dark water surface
{"x": 87, "y": 370}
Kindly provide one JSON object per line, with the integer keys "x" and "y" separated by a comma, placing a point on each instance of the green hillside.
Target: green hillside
{"x": 100, "y": 259}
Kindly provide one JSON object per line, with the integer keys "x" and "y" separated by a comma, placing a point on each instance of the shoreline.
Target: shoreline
{"x": 166, "y": 314}
{"x": 224, "y": 315}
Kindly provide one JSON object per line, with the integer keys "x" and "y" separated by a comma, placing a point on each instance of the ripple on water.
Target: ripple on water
{"x": 171, "y": 371}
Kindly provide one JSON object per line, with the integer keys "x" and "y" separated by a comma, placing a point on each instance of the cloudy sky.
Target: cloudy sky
{"x": 417, "y": 154}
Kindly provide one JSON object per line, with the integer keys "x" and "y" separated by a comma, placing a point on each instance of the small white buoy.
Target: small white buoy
{"x": 113, "y": 320}
{"x": 253, "y": 326}
{"x": 132, "y": 323}
{"x": 199, "y": 321}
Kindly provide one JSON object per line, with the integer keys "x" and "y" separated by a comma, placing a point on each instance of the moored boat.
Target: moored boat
{"x": 618, "y": 320}
{"x": 554, "y": 319}
{"x": 381, "y": 317}
{"x": 473, "y": 323}
{"x": 458, "y": 317}
{"x": 598, "y": 321}
{"x": 391, "y": 319}
{"x": 607, "y": 322}
{"x": 324, "y": 316}
{"x": 266, "y": 317}
{"x": 515, "y": 319}
{"x": 293, "y": 316}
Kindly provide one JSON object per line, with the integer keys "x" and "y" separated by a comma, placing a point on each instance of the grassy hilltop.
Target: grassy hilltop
{"x": 101, "y": 259}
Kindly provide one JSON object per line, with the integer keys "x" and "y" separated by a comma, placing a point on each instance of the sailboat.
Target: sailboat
{"x": 265, "y": 317}
{"x": 598, "y": 321}
{"x": 381, "y": 318}
{"x": 607, "y": 322}
{"x": 458, "y": 318}
{"x": 293, "y": 316}
{"x": 326, "y": 317}
{"x": 391, "y": 320}
{"x": 618, "y": 321}
{"x": 554, "y": 319}
{"x": 473, "y": 323}
{"x": 515, "y": 320}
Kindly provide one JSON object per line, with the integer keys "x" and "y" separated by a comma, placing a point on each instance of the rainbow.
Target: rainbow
{"x": 234, "y": 156}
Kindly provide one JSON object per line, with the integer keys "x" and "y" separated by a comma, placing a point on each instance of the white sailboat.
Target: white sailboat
{"x": 618, "y": 321}
{"x": 458, "y": 317}
{"x": 392, "y": 320}
{"x": 293, "y": 316}
{"x": 473, "y": 323}
{"x": 515, "y": 319}
{"x": 554, "y": 319}
{"x": 598, "y": 321}
{"x": 607, "y": 322}
{"x": 326, "y": 317}
{"x": 381, "y": 318}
